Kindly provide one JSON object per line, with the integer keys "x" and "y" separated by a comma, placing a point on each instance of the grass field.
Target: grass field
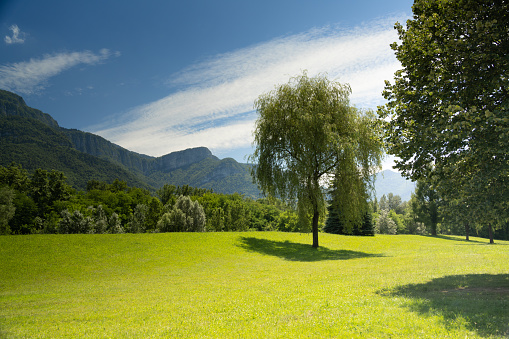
{"x": 252, "y": 285}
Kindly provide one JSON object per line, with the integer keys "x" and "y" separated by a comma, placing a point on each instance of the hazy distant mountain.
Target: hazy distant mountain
{"x": 35, "y": 140}
{"x": 392, "y": 182}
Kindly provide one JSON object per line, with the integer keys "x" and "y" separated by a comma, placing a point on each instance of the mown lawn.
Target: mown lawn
{"x": 252, "y": 285}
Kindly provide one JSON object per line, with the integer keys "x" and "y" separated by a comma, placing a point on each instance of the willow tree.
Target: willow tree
{"x": 306, "y": 133}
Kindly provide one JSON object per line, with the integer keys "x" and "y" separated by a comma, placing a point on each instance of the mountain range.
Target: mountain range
{"x": 34, "y": 139}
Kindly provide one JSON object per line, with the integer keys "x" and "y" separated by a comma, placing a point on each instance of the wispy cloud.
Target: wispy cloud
{"x": 30, "y": 76}
{"x": 18, "y": 37}
{"x": 212, "y": 102}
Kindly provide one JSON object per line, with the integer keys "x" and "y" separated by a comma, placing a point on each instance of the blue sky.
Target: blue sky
{"x": 162, "y": 76}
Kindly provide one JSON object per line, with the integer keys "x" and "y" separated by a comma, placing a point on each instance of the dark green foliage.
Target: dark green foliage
{"x": 426, "y": 206}
{"x": 6, "y": 209}
{"x": 501, "y": 233}
{"x": 26, "y": 213}
{"x": 447, "y": 109}
{"x": 367, "y": 228}
{"x": 35, "y": 196}
{"x": 44, "y": 203}
{"x": 333, "y": 223}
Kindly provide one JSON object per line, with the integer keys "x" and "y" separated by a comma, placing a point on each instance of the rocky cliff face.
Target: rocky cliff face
{"x": 98, "y": 146}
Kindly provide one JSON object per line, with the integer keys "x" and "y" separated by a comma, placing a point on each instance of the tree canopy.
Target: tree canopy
{"x": 447, "y": 109}
{"x": 306, "y": 134}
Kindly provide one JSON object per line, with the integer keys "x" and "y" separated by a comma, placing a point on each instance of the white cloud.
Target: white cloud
{"x": 212, "y": 105}
{"x": 30, "y": 76}
{"x": 17, "y": 37}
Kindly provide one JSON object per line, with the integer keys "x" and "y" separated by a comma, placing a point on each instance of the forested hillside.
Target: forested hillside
{"x": 33, "y": 144}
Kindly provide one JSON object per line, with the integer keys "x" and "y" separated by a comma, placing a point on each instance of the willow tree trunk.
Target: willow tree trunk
{"x": 467, "y": 231}
{"x": 315, "y": 228}
{"x": 491, "y": 234}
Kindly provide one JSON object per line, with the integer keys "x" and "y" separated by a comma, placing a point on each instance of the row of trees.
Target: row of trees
{"x": 42, "y": 202}
{"x": 425, "y": 213}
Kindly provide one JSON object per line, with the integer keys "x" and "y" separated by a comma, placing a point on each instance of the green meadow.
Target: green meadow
{"x": 252, "y": 285}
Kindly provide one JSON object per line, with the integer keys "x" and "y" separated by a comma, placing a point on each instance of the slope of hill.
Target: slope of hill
{"x": 392, "y": 182}
{"x": 13, "y": 105}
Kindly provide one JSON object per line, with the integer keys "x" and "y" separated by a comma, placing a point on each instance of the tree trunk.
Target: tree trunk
{"x": 315, "y": 228}
{"x": 491, "y": 234}
{"x": 433, "y": 229}
{"x": 467, "y": 231}
{"x": 433, "y": 213}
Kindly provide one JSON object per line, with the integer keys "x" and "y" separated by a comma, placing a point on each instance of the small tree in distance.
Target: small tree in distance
{"x": 384, "y": 224}
{"x": 307, "y": 133}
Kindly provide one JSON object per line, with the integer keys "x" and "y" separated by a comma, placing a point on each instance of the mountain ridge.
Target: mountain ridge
{"x": 35, "y": 140}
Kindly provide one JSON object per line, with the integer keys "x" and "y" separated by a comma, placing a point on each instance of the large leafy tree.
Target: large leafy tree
{"x": 448, "y": 105}
{"x": 307, "y": 133}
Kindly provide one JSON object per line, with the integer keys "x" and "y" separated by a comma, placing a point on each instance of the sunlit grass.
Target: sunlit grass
{"x": 252, "y": 285}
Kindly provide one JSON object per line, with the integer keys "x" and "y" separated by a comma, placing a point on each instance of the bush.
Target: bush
{"x": 74, "y": 223}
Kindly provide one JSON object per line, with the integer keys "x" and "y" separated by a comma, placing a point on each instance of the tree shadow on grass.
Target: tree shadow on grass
{"x": 463, "y": 240}
{"x": 299, "y": 252}
{"x": 479, "y": 302}
{"x": 448, "y": 237}
{"x": 467, "y": 242}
